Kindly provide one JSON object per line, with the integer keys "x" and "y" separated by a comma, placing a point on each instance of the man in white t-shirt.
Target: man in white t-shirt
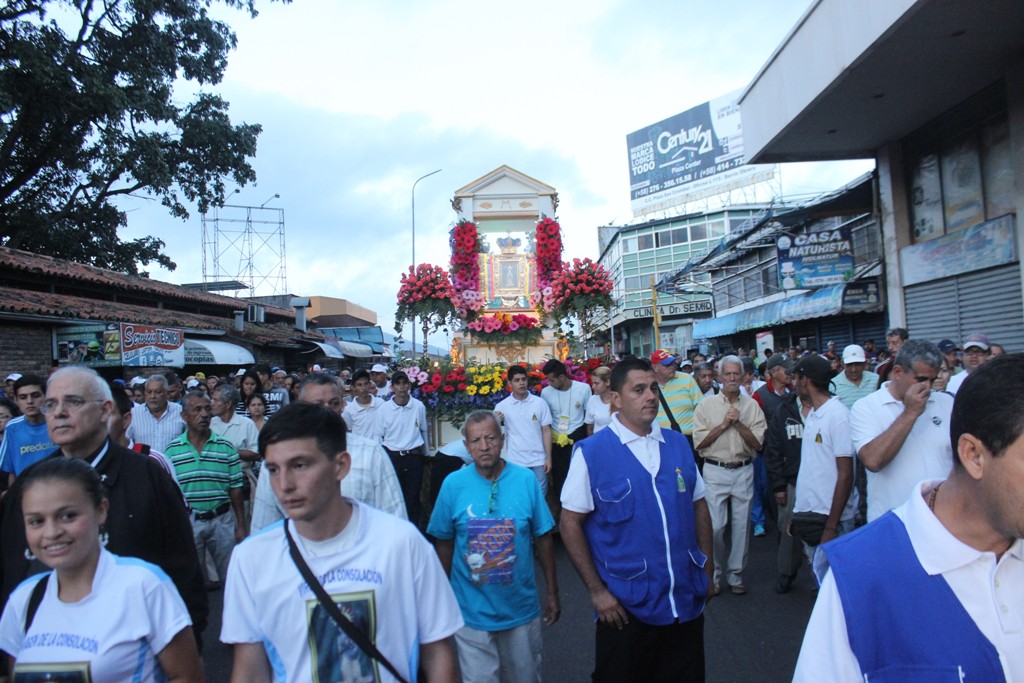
{"x": 379, "y": 570}
{"x": 567, "y": 399}
{"x": 977, "y": 349}
{"x": 402, "y": 426}
{"x": 901, "y": 431}
{"x": 824, "y": 484}
{"x": 527, "y": 421}
{"x": 361, "y": 413}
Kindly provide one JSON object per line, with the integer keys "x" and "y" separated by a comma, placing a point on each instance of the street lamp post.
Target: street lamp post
{"x": 414, "y": 246}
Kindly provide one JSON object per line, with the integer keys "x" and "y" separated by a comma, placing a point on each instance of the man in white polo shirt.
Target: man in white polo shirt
{"x": 527, "y": 421}
{"x": 361, "y": 413}
{"x": 402, "y": 425}
{"x": 901, "y": 431}
{"x": 977, "y": 349}
{"x": 824, "y": 485}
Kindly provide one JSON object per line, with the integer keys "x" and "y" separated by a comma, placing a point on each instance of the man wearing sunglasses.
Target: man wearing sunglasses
{"x": 901, "y": 431}
{"x": 488, "y": 519}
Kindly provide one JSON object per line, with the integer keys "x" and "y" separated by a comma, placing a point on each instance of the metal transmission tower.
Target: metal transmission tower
{"x": 244, "y": 248}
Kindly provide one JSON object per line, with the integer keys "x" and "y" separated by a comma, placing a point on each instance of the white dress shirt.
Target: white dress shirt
{"x": 155, "y": 432}
{"x": 371, "y": 480}
{"x": 576, "y": 493}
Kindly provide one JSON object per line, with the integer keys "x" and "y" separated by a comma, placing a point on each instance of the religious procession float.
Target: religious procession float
{"x": 507, "y": 295}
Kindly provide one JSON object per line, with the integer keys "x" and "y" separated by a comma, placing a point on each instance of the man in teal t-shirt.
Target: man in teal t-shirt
{"x": 487, "y": 519}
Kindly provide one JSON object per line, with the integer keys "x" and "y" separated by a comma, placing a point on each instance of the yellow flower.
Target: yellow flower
{"x": 471, "y": 390}
{"x": 484, "y": 390}
{"x": 561, "y": 439}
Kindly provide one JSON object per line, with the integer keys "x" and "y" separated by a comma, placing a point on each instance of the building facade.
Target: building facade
{"x": 638, "y": 256}
{"x": 934, "y": 92}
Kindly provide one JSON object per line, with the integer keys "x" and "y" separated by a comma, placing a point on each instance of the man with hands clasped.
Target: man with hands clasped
{"x": 637, "y": 529}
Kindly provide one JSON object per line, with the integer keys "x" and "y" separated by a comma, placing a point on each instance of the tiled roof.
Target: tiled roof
{"x": 74, "y": 308}
{"x": 23, "y": 261}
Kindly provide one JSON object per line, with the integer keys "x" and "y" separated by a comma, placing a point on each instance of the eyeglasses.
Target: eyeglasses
{"x": 72, "y": 404}
{"x": 493, "y": 498}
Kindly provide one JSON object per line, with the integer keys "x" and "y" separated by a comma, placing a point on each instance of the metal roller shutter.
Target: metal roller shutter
{"x": 988, "y": 301}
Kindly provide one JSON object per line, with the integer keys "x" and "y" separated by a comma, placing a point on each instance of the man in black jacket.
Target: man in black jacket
{"x": 147, "y": 518}
{"x": 782, "y": 444}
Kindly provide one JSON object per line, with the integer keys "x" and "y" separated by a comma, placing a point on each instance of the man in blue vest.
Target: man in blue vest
{"x": 638, "y": 531}
{"x": 934, "y": 589}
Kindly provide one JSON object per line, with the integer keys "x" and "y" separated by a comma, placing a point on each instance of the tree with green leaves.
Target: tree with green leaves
{"x": 88, "y": 114}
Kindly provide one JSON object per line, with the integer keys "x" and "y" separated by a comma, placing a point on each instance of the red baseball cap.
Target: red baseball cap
{"x": 662, "y": 357}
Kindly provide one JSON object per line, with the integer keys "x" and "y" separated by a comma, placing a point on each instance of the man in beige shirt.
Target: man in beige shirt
{"x": 728, "y": 429}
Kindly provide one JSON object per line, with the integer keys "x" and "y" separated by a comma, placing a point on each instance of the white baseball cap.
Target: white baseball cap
{"x": 378, "y": 368}
{"x": 241, "y": 371}
{"x": 317, "y": 368}
{"x": 13, "y": 377}
{"x": 854, "y": 353}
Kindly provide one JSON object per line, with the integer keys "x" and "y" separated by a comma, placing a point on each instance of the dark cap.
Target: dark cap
{"x": 947, "y": 345}
{"x": 775, "y": 361}
{"x": 816, "y": 368}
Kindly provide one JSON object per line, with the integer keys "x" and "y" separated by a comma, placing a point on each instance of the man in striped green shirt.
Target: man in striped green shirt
{"x": 680, "y": 391}
{"x": 210, "y": 474}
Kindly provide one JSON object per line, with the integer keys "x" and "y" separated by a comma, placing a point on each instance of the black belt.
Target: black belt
{"x": 215, "y": 512}
{"x": 412, "y": 451}
{"x": 729, "y": 465}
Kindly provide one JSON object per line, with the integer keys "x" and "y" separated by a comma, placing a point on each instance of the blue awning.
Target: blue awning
{"x": 854, "y": 297}
{"x": 816, "y": 304}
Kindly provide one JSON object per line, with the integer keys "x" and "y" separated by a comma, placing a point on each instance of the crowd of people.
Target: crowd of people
{"x": 306, "y": 496}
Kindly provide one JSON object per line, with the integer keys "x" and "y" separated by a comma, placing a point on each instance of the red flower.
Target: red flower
{"x": 449, "y": 389}
{"x": 462, "y": 386}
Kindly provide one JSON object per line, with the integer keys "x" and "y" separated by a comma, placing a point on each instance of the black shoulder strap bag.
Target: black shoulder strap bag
{"x": 34, "y": 599}
{"x": 350, "y": 629}
{"x": 671, "y": 417}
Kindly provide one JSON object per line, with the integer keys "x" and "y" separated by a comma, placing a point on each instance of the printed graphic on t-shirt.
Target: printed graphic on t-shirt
{"x": 65, "y": 672}
{"x": 491, "y": 550}
{"x": 334, "y": 656}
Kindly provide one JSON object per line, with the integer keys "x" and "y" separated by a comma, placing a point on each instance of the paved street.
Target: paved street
{"x": 753, "y": 638}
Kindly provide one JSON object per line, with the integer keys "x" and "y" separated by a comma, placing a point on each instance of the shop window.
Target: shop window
{"x": 997, "y": 168}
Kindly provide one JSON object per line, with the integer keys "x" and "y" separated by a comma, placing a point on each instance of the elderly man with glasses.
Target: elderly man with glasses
{"x": 901, "y": 431}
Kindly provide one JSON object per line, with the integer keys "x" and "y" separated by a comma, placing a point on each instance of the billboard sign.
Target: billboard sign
{"x": 692, "y": 155}
{"x": 149, "y": 346}
{"x": 815, "y": 259}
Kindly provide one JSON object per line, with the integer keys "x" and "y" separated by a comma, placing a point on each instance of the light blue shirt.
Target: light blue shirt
{"x": 493, "y": 526}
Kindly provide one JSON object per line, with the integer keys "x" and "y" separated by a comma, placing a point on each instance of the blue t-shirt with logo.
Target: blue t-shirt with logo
{"x": 493, "y": 526}
{"x": 24, "y": 444}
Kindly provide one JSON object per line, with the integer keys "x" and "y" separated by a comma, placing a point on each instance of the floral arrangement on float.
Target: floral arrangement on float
{"x": 425, "y": 293}
{"x": 453, "y": 391}
{"x": 466, "y": 245}
{"x": 547, "y": 240}
{"x": 503, "y": 328}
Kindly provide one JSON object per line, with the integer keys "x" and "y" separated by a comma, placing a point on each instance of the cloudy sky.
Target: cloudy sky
{"x": 357, "y": 100}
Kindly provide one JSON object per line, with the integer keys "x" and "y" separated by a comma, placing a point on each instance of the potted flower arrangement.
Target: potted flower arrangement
{"x": 425, "y": 293}
{"x": 580, "y": 288}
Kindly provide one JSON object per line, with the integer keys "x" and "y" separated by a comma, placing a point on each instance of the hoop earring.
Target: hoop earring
{"x": 28, "y": 555}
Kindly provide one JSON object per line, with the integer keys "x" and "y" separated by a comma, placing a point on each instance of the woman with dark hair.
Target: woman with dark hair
{"x": 117, "y": 619}
{"x": 249, "y": 386}
{"x": 8, "y": 410}
{"x": 256, "y": 409}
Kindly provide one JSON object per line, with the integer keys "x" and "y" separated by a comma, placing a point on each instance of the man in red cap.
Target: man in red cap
{"x": 680, "y": 395}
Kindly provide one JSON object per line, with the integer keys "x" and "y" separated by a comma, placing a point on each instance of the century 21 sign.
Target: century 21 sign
{"x": 685, "y": 308}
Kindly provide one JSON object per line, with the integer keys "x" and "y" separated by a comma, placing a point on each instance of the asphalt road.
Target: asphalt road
{"x": 754, "y": 638}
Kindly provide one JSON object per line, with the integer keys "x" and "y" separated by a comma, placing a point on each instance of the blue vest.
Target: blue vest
{"x": 904, "y": 624}
{"x": 639, "y": 525}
